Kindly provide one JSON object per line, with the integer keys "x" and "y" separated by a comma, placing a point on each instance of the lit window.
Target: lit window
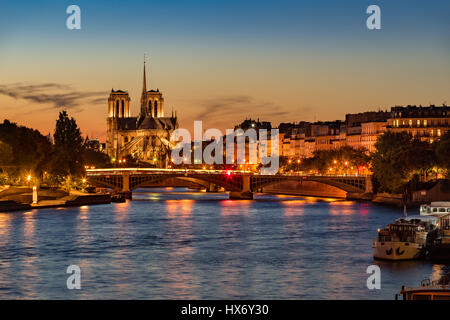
{"x": 439, "y": 132}
{"x": 410, "y": 123}
{"x": 418, "y": 123}
{"x": 424, "y": 123}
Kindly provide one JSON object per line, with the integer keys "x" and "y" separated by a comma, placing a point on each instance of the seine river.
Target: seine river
{"x": 178, "y": 244}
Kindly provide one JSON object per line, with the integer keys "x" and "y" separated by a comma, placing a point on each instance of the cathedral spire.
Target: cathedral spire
{"x": 144, "y": 83}
{"x": 144, "y": 92}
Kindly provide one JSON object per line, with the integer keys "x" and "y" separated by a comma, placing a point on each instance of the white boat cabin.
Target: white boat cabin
{"x": 435, "y": 208}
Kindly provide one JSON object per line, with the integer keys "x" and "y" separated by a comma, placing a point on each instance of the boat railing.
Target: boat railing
{"x": 444, "y": 281}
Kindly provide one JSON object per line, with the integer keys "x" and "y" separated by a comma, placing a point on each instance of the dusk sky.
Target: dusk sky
{"x": 221, "y": 61}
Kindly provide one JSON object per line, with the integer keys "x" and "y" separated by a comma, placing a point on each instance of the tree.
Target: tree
{"x": 6, "y": 154}
{"x": 442, "y": 151}
{"x": 339, "y": 160}
{"x": 398, "y": 158}
{"x": 67, "y": 155}
{"x": 30, "y": 150}
{"x": 95, "y": 158}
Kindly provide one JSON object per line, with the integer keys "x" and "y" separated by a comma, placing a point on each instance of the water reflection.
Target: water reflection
{"x": 179, "y": 249}
{"x": 5, "y": 223}
{"x": 202, "y": 245}
{"x": 29, "y": 271}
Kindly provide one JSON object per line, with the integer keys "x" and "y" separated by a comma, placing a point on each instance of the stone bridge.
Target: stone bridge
{"x": 240, "y": 184}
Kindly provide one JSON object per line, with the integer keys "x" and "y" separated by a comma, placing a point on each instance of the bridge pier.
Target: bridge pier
{"x": 246, "y": 193}
{"x": 126, "y": 186}
{"x": 369, "y": 186}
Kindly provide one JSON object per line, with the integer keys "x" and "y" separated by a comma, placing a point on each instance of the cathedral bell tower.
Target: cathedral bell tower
{"x": 118, "y": 108}
{"x": 119, "y": 104}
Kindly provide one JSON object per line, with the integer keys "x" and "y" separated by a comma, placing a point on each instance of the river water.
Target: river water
{"x": 178, "y": 244}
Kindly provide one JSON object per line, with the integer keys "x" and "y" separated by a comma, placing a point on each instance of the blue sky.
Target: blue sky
{"x": 277, "y": 60}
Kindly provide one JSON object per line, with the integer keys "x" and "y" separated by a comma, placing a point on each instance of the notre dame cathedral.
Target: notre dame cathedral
{"x": 145, "y": 137}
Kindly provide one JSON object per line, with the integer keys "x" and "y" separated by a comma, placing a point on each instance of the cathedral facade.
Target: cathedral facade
{"x": 146, "y": 137}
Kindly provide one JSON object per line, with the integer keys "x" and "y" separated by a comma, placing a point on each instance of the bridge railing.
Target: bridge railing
{"x": 120, "y": 171}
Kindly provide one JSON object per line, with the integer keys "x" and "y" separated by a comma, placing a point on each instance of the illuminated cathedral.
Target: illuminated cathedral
{"x": 146, "y": 137}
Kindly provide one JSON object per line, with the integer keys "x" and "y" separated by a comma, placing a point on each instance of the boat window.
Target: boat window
{"x": 441, "y": 297}
{"x": 448, "y": 209}
{"x": 441, "y": 209}
{"x": 434, "y": 209}
{"x": 421, "y": 297}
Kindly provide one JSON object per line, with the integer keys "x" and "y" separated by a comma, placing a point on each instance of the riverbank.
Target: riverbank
{"x": 74, "y": 199}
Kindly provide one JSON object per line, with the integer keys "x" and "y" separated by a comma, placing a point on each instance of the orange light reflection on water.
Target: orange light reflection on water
{"x": 234, "y": 207}
{"x": 343, "y": 208}
{"x": 179, "y": 208}
{"x": 29, "y": 269}
{"x": 121, "y": 211}
{"x": 5, "y": 224}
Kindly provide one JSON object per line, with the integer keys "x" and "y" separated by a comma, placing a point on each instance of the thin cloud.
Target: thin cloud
{"x": 225, "y": 109}
{"x": 53, "y": 94}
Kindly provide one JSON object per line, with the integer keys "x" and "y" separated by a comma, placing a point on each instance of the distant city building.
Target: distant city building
{"x": 145, "y": 137}
{"x": 370, "y": 132}
{"x": 425, "y": 123}
{"x": 355, "y": 119}
{"x": 361, "y": 130}
{"x": 93, "y": 144}
{"x": 254, "y": 124}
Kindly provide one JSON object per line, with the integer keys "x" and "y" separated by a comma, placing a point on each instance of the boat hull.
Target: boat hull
{"x": 439, "y": 252}
{"x": 397, "y": 250}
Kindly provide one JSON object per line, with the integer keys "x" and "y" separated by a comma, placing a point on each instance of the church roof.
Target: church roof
{"x": 158, "y": 123}
{"x": 147, "y": 123}
{"x": 126, "y": 123}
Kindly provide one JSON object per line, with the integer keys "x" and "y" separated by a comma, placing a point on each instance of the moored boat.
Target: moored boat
{"x": 437, "y": 208}
{"x": 405, "y": 239}
{"x": 428, "y": 290}
{"x": 118, "y": 197}
{"x": 439, "y": 240}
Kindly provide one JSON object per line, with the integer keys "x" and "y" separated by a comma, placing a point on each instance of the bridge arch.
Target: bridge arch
{"x": 349, "y": 185}
{"x": 229, "y": 184}
{"x": 132, "y": 182}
